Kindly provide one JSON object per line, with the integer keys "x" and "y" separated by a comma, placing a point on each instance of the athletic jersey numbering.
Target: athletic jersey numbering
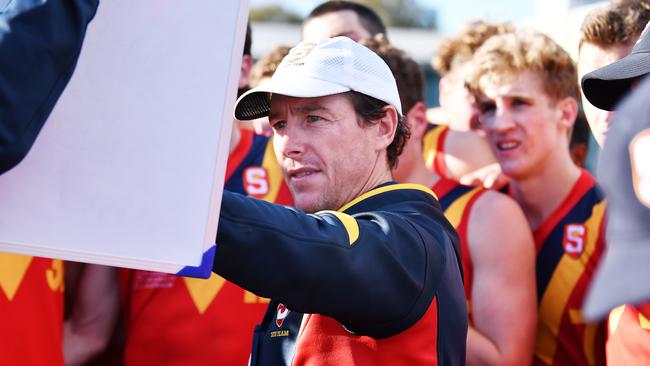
{"x": 569, "y": 246}
{"x": 31, "y": 307}
{"x": 175, "y": 320}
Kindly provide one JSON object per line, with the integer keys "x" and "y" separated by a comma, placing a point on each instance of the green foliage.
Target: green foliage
{"x": 395, "y": 13}
{"x": 274, "y": 13}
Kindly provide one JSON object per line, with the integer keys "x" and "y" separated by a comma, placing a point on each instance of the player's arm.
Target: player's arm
{"x": 368, "y": 271}
{"x": 466, "y": 152}
{"x": 504, "y": 303}
{"x": 38, "y": 51}
{"x": 94, "y": 314}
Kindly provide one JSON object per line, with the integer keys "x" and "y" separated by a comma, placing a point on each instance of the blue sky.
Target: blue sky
{"x": 451, "y": 13}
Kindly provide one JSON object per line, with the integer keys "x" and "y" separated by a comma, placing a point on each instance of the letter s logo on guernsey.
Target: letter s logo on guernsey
{"x": 282, "y": 314}
{"x": 256, "y": 181}
{"x": 575, "y": 236}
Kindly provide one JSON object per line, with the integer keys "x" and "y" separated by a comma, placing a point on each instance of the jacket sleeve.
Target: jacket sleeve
{"x": 373, "y": 272}
{"x": 39, "y": 46}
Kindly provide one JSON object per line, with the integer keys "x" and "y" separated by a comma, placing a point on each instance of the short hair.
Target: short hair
{"x": 266, "y": 66}
{"x": 459, "y": 49}
{"x": 369, "y": 19}
{"x": 510, "y": 54}
{"x": 618, "y": 23}
{"x": 248, "y": 42}
{"x": 407, "y": 72}
{"x": 370, "y": 109}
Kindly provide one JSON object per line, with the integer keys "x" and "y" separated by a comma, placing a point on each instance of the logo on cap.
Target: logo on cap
{"x": 575, "y": 236}
{"x": 639, "y": 152}
{"x": 283, "y": 312}
{"x": 299, "y": 52}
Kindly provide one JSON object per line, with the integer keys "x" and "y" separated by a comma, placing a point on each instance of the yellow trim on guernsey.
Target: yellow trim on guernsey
{"x": 392, "y": 187}
{"x": 348, "y": 222}
{"x": 454, "y": 213}
{"x": 270, "y": 163}
{"x": 430, "y": 145}
{"x": 615, "y": 318}
{"x": 645, "y": 323}
{"x": 558, "y": 291}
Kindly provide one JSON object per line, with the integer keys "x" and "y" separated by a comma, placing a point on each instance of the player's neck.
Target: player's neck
{"x": 540, "y": 194}
{"x": 416, "y": 172}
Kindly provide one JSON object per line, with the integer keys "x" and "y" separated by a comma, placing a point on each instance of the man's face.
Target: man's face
{"x": 457, "y": 101}
{"x": 593, "y": 57}
{"x": 325, "y": 155}
{"x": 522, "y": 124}
{"x": 338, "y": 23}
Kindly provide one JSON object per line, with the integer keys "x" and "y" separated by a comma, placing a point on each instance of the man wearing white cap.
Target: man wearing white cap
{"x": 374, "y": 265}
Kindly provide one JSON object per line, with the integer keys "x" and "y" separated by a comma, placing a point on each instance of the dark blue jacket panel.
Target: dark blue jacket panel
{"x": 39, "y": 46}
{"x": 274, "y": 340}
{"x": 381, "y": 284}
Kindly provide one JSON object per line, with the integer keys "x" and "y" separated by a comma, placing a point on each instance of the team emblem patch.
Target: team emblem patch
{"x": 299, "y": 52}
{"x": 256, "y": 181}
{"x": 282, "y": 314}
{"x": 639, "y": 152}
{"x": 575, "y": 237}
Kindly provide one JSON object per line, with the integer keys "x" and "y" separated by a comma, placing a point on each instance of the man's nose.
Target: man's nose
{"x": 503, "y": 120}
{"x": 292, "y": 141}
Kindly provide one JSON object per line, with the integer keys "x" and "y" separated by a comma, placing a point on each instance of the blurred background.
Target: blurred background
{"x": 417, "y": 26}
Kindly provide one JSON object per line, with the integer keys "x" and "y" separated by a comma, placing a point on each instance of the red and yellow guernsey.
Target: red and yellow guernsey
{"x": 629, "y": 337}
{"x": 31, "y": 307}
{"x": 569, "y": 245}
{"x": 175, "y": 320}
{"x": 457, "y": 201}
{"x": 433, "y": 149}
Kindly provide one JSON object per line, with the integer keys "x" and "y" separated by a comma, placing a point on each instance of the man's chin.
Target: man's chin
{"x": 309, "y": 203}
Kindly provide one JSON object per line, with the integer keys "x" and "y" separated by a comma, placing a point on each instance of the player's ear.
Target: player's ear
{"x": 417, "y": 120}
{"x": 386, "y": 127}
{"x": 444, "y": 86}
{"x": 568, "y": 110}
{"x": 245, "y": 71}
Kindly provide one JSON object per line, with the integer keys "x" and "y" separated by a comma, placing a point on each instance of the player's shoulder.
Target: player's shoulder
{"x": 497, "y": 213}
{"x": 491, "y": 201}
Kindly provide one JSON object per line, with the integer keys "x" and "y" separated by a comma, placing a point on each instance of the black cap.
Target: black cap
{"x": 622, "y": 276}
{"x": 605, "y": 87}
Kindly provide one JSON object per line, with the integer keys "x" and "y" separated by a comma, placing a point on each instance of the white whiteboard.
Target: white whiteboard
{"x": 128, "y": 170}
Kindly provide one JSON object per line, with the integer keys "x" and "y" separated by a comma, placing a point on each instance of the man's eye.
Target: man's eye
{"x": 520, "y": 102}
{"x": 312, "y": 118}
{"x": 278, "y": 125}
{"x": 487, "y": 108}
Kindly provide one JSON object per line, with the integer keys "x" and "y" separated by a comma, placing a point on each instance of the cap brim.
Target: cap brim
{"x": 605, "y": 87}
{"x": 256, "y": 102}
{"x": 621, "y": 278}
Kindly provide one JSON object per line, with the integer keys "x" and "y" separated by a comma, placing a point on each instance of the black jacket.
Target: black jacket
{"x": 375, "y": 267}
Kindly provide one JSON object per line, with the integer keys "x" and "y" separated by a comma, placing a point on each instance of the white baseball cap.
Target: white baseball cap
{"x": 330, "y": 66}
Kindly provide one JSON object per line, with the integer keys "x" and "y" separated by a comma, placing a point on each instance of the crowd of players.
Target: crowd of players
{"x": 530, "y": 223}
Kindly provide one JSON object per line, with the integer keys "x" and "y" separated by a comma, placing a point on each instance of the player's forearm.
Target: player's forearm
{"x": 94, "y": 314}
{"x": 78, "y": 347}
{"x": 481, "y": 351}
